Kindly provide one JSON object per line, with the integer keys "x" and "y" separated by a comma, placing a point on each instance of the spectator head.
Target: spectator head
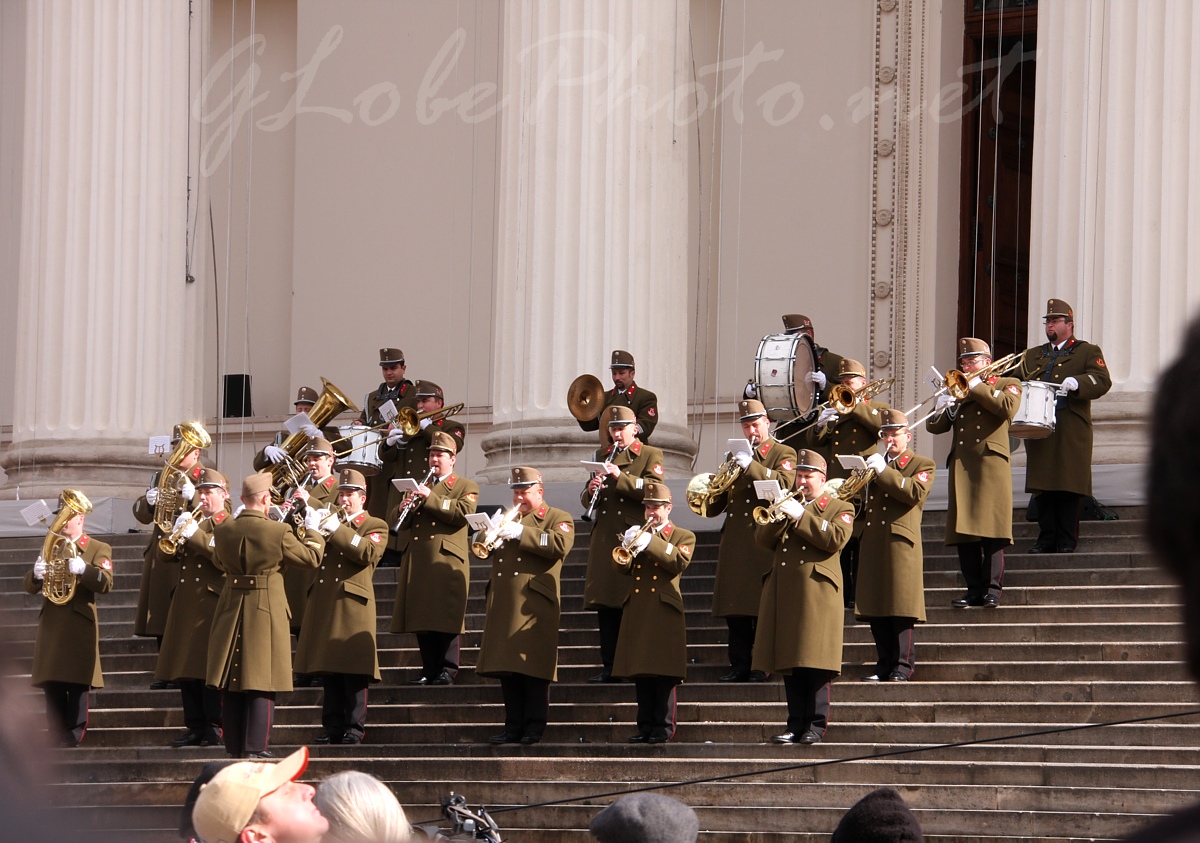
{"x": 879, "y": 817}
{"x": 361, "y": 809}
{"x": 259, "y": 802}
{"x": 643, "y": 817}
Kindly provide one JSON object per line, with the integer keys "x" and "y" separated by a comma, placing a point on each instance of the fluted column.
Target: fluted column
{"x": 1116, "y": 193}
{"x": 591, "y": 248}
{"x": 106, "y": 320}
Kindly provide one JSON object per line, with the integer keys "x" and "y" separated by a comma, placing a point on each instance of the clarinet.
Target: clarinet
{"x": 591, "y": 510}
{"x": 409, "y": 506}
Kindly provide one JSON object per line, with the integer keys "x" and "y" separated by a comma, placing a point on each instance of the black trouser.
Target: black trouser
{"x": 849, "y": 560}
{"x": 201, "y": 706}
{"x": 66, "y": 711}
{"x": 246, "y": 717}
{"x": 895, "y": 650}
{"x": 344, "y": 705}
{"x": 656, "y": 705}
{"x": 808, "y": 698}
{"x": 439, "y": 653}
{"x": 982, "y": 564}
{"x": 1058, "y": 520}
{"x": 609, "y": 621}
{"x": 526, "y": 704}
{"x": 741, "y": 641}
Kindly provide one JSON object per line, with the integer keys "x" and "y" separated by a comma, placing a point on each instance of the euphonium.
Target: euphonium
{"x": 623, "y": 553}
{"x": 58, "y": 586}
{"x": 332, "y": 402}
{"x": 409, "y": 420}
{"x": 491, "y": 539}
{"x": 169, "y": 544}
{"x": 769, "y": 514}
{"x": 169, "y": 504}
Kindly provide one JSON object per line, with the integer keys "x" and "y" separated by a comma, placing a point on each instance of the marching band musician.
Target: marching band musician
{"x": 520, "y": 630}
{"x": 800, "y": 618}
{"x": 652, "y": 647}
{"x": 742, "y": 564}
{"x": 319, "y": 490}
{"x": 1059, "y": 472}
{"x": 249, "y": 649}
{"x": 405, "y": 457}
{"x": 826, "y": 361}
{"x": 402, "y": 393}
{"x": 337, "y": 641}
{"x": 435, "y": 573}
{"x": 626, "y": 393}
{"x": 891, "y": 581}
{"x": 306, "y": 399}
{"x": 66, "y": 652}
{"x": 979, "y": 517}
{"x": 183, "y": 656}
{"x": 618, "y": 493}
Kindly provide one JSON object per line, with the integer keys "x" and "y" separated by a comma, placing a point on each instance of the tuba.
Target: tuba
{"x": 287, "y": 472}
{"x": 169, "y": 505}
{"x": 490, "y": 540}
{"x": 57, "y": 550}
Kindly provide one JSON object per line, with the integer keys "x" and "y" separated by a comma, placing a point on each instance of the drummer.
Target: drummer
{"x": 825, "y": 368}
{"x": 980, "y": 514}
{"x": 826, "y": 364}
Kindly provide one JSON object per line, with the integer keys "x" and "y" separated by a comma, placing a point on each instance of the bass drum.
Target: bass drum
{"x": 781, "y": 370}
{"x": 363, "y": 451}
{"x": 1035, "y": 417}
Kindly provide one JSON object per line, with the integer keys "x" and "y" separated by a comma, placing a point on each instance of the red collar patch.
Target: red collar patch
{"x": 541, "y": 513}
{"x": 992, "y": 380}
{"x": 450, "y": 482}
{"x": 219, "y": 517}
{"x": 328, "y": 481}
{"x": 196, "y": 470}
{"x": 358, "y": 519}
{"x": 823, "y": 502}
{"x": 667, "y": 530}
{"x": 404, "y": 387}
{"x": 636, "y": 447}
{"x": 83, "y": 540}
{"x": 903, "y": 460}
{"x": 766, "y": 446}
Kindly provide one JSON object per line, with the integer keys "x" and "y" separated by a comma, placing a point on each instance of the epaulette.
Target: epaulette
{"x": 903, "y": 460}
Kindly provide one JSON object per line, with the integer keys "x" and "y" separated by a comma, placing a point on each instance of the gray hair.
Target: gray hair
{"x": 361, "y": 809}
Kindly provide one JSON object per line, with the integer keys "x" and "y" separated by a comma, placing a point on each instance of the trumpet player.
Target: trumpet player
{"x": 652, "y": 647}
{"x": 183, "y": 656}
{"x": 520, "y": 630}
{"x": 618, "y": 493}
{"x": 800, "y": 616}
{"x": 66, "y": 652}
{"x": 626, "y": 393}
{"x": 979, "y": 517}
{"x": 317, "y": 491}
{"x": 337, "y": 640}
{"x": 742, "y": 564}
{"x": 891, "y": 584}
{"x": 402, "y": 393}
{"x": 435, "y": 573}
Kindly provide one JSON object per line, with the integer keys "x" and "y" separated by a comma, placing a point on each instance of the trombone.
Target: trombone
{"x": 623, "y": 553}
{"x": 958, "y": 385}
{"x": 490, "y": 539}
{"x": 409, "y": 420}
{"x": 841, "y": 398}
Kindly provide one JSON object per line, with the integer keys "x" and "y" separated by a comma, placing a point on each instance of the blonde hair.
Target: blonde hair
{"x": 361, "y": 809}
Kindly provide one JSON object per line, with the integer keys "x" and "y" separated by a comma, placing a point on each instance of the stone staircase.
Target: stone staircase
{"x": 1087, "y": 638}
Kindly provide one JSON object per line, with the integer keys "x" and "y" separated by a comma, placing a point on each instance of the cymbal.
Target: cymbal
{"x": 585, "y": 397}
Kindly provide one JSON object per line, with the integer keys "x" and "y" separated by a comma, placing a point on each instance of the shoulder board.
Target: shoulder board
{"x": 219, "y": 517}
{"x": 328, "y": 481}
{"x": 83, "y": 541}
{"x": 667, "y": 530}
{"x": 358, "y": 519}
{"x": 992, "y": 380}
{"x": 450, "y": 481}
{"x": 196, "y": 470}
{"x": 766, "y": 446}
{"x": 636, "y": 447}
{"x": 903, "y": 460}
{"x": 823, "y": 502}
{"x": 541, "y": 513}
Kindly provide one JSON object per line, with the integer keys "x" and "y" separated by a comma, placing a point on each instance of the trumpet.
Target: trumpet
{"x": 770, "y": 514}
{"x": 623, "y": 553}
{"x": 410, "y": 505}
{"x": 409, "y": 420}
{"x": 169, "y": 544}
{"x": 958, "y": 385}
{"x": 591, "y": 510}
{"x": 491, "y": 540}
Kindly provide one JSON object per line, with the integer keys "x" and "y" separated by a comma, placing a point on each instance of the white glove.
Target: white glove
{"x": 642, "y": 543}
{"x": 629, "y": 534}
{"x": 191, "y": 528}
{"x": 816, "y": 377}
{"x": 76, "y": 566}
{"x": 188, "y": 491}
{"x": 877, "y": 462}
{"x": 152, "y": 495}
{"x": 944, "y": 401}
{"x": 311, "y": 431}
{"x": 511, "y": 530}
{"x": 238, "y": 511}
{"x": 312, "y": 519}
{"x": 974, "y": 382}
{"x": 274, "y": 453}
{"x": 1070, "y": 384}
{"x": 395, "y": 437}
{"x": 329, "y": 522}
{"x": 39, "y": 569}
{"x": 751, "y": 391}
{"x": 792, "y": 509}
{"x": 742, "y": 458}
{"x": 425, "y": 423}
{"x": 827, "y": 415}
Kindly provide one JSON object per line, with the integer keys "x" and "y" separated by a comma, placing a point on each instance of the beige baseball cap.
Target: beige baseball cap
{"x": 226, "y": 804}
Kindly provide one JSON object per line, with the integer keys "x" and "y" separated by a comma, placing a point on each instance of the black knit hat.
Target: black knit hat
{"x": 879, "y": 817}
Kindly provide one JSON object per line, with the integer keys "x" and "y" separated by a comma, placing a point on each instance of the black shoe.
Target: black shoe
{"x": 352, "y": 740}
{"x": 442, "y": 678}
{"x": 326, "y": 738}
{"x": 604, "y": 677}
{"x": 759, "y": 676}
{"x": 531, "y": 739}
{"x": 1064, "y": 548}
{"x": 420, "y": 680}
{"x": 162, "y": 685}
{"x": 187, "y": 739}
{"x": 639, "y": 738}
{"x": 266, "y": 753}
{"x": 874, "y": 677}
{"x": 965, "y": 601}
{"x": 810, "y": 737}
{"x": 897, "y": 676}
{"x": 212, "y": 738}
{"x": 1041, "y": 548}
{"x": 658, "y": 737}
{"x": 736, "y": 676}
{"x": 786, "y": 737}
{"x": 505, "y": 737}
{"x": 990, "y": 601}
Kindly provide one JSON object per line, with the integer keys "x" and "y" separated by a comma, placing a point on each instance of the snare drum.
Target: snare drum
{"x": 781, "y": 370}
{"x": 1035, "y": 418}
{"x": 362, "y": 452}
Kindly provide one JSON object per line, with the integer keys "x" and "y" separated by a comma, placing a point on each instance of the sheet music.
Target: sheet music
{"x": 297, "y": 423}
{"x": 159, "y": 445}
{"x": 36, "y": 512}
{"x": 479, "y": 521}
{"x": 405, "y": 484}
{"x": 388, "y": 411}
{"x": 851, "y": 461}
{"x": 739, "y": 446}
{"x": 594, "y": 467}
{"x": 768, "y": 490}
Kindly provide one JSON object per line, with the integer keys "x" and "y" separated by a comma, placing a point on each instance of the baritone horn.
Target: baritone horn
{"x": 58, "y": 586}
{"x": 169, "y": 505}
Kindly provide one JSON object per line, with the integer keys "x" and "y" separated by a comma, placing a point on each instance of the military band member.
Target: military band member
{"x": 891, "y": 577}
{"x": 406, "y": 457}
{"x": 306, "y": 398}
{"x": 183, "y": 656}
{"x": 742, "y": 564}
{"x": 626, "y": 393}
{"x": 402, "y": 393}
{"x": 337, "y": 640}
{"x": 801, "y": 615}
{"x": 1059, "y": 466}
{"x": 520, "y": 631}
{"x": 630, "y": 464}
{"x": 319, "y": 490}
{"x": 434, "y": 576}
{"x": 249, "y": 649}
{"x": 652, "y": 647}
{"x": 66, "y": 652}
{"x": 827, "y": 363}
{"x": 979, "y": 517}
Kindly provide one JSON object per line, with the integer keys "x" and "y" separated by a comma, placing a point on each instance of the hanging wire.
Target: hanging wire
{"x": 223, "y": 352}
{"x": 246, "y": 350}
{"x": 981, "y": 60}
{"x": 995, "y": 217}
{"x": 1020, "y": 170}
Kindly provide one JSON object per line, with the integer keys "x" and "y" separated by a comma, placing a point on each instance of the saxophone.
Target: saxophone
{"x": 58, "y": 586}
{"x": 169, "y": 504}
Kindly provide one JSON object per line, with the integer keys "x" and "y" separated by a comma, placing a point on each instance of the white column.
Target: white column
{"x": 1116, "y": 192}
{"x": 591, "y": 249}
{"x": 106, "y": 320}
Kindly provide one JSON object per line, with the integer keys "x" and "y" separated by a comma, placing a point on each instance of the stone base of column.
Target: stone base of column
{"x": 118, "y": 468}
{"x": 556, "y": 446}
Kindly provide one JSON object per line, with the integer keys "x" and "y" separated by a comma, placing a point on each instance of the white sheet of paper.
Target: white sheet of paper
{"x": 36, "y": 512}
{"x": 479, "y": 521}
{"x": 388, "y": 411}
{"x": 594, "y": 467}
{"x": 405, "y": 484}
{"x": 297, "y": 422}
{"x": 739, "y": 446}
{"x": 936, "y": 378}
{"x": 851, "y": 461}
{"x": 159, "y": 445}
{"x": 768, "y": 490}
